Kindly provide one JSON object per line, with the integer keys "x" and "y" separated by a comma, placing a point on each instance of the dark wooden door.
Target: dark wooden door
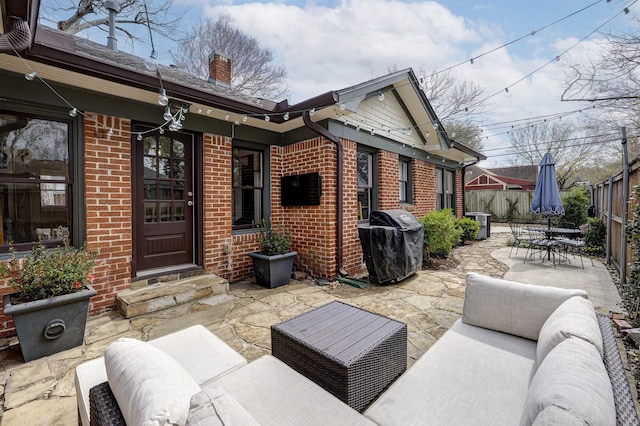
{"x": 164, "y": 201}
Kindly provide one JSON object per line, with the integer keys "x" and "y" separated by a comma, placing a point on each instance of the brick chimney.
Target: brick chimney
{"x": 220, "y": 70}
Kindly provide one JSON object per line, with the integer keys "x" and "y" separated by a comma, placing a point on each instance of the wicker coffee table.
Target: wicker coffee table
{"x": 350, "y": 352}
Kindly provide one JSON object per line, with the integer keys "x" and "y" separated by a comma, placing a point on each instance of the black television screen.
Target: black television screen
{"x": 301, "y": 190}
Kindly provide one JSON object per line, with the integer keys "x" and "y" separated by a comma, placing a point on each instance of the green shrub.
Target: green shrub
{"x": 595, "y": 235}
{"x": 575, "y": 208}
{"x": 468, "y": 227}
{"x": 440, "y": 233}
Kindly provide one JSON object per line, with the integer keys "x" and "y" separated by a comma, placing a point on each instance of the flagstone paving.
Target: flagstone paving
{"x": 42, "y": 391}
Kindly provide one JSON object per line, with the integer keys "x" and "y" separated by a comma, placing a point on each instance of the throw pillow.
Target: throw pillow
{"x": 151, "y": 387}
{"x": 572, "y": 378}
{"x": 574, "y": 318}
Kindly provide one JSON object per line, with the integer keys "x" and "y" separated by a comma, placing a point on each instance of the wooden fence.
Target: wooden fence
{"x": 611, "y": 206}
{"x": 503, "y": 206}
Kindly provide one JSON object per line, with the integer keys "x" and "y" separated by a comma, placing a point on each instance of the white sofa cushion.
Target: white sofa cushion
{"x": 150, "y": 386}
{"x": 511, "y": 307}
{"x": 470, "y": 376}
{"x": 574, "y": 318}
{"x": 573, "y": 378}
{"x": 216, "y": 407}
{"x": 275, "y": 394}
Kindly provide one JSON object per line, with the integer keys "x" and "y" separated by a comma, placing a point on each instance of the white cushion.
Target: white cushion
{"x": 151, "y": 387}
{"x": 574, "y": 318}
{"x": 511, "y": 307}
{"x": 556, "y": 416}
{"x": 216, "y": 407}
{"x": 573, "y": 378}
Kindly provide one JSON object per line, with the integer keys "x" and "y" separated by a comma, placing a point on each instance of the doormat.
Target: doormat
{"x": 354, "y": 282}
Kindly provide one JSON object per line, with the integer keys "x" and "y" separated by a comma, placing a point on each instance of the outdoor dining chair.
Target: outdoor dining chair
{"x": 575, "y": 246}
{"x": 521, "y": 237}
{"x": 541, "y": 244}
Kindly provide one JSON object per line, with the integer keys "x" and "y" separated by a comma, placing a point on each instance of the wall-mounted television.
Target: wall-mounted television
{"x": 301, "y": 190}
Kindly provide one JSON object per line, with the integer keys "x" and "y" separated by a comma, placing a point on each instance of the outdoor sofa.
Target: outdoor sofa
{"x": 520, "y": 354}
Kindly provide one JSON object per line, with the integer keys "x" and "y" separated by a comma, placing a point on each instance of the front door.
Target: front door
{"x": 163, "y": 191}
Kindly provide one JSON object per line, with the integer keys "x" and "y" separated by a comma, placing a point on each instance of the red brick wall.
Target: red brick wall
{"x": 352, "y": 253}
{"x": 459, "y": 189}
{"x": 108, "y": 206}
{"x": 424, "y": 187}
{"x": 388, "y": 180}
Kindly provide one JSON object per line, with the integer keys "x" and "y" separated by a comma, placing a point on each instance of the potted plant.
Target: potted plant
{"x": 273, "y": 263}
{"x": 51, "y": 302}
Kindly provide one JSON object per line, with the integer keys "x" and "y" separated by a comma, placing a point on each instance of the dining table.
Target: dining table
{"x": 553, "y": 233}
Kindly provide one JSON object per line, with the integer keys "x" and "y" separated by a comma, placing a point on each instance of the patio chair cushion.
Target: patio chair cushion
{"x": 150, "y": 386}
{"x": 572, "y": 377}
{"x": 214, "y": 407}
{"x": 574, "y": 318}
{"x": 511, "y": 307}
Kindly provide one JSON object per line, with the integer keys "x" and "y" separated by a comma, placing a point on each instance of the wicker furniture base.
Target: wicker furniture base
{"x": 352, "y": 353}
{"x": 626, "y": 414}
{"x": 104, "y": 409}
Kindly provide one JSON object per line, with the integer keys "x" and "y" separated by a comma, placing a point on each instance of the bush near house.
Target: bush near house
{"x": 469, "y": 228}
{"x": 440, "y": 233}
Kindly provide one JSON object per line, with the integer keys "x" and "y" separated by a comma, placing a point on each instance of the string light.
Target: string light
{"x": 381, "y": 96}
{"x": 30, "y": 75}
{"x": 267, "y": 118}
{"x": 73, "y": 112}
{"x": 167, "y": 114}
{"x": 162, "y": 98}
{"x": 244, "y": 118}
{"x": 286, "y": 116}
{"x": 226, "y": 116}
{"x": 312, "y": 111}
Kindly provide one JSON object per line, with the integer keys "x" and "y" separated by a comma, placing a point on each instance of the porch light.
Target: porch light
{"x": 162, "y": 98}
{"x": 30, "y": 75}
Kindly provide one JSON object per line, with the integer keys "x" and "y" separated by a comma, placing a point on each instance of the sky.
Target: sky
{"x": 330, "y": 45}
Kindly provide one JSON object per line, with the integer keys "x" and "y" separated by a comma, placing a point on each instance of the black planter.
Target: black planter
{"x": 48, "y": 326}
{"x": 272, "y": 271}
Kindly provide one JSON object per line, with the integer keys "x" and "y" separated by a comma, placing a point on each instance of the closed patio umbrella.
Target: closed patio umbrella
{"x": 546, "y": 198}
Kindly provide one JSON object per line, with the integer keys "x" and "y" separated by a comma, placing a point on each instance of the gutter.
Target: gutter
{"x": 18, "y": 38}
{"x": 306, "y": 118}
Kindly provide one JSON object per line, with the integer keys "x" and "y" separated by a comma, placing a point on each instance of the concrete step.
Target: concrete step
{"x": 156, "y": 297}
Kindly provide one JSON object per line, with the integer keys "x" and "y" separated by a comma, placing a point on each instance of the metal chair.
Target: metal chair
{"x": 575, "y": 246}
{"x": 541, "y": 243}
{"x": 520, "y": 237}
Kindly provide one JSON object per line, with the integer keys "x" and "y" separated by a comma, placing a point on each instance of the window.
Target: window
{"x": 248, "y": 187}
{"x": 445, "y": 190}
{"x": 406, "y": 195}
{"x": 367, "y": 191}
{"x": 36, "y": 180}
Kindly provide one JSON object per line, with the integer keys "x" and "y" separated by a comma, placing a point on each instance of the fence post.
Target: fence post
{"x": 625, "y": 198}
{"x": 609, "y": 218}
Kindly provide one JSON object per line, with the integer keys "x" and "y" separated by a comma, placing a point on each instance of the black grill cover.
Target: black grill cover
{"x": 392, "y": 245}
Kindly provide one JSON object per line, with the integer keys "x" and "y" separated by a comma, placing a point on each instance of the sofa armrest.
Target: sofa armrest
{"x": 511, "y": 307}
{"x": 104, "y": 407}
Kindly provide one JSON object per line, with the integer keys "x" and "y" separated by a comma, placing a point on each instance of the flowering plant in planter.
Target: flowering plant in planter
{"x": 47, "y": 273}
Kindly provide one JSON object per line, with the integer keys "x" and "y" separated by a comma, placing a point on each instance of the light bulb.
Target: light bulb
{"x": 162, "y": 98}
{"x": 471, "y": 61}
{"x": 110, "y": 131}
{"x": 30, "y": 75}
{"x": 286, "y": 116}
{"x": 73, "y": 112}
{"x": 409, "y": 131}
{"x": 161, "y": 130}
{"x": 267, "y": 118}
{"x": 358, "y": 128}
{"x": 373, "y": 131}
{"x": 226, "y": 116}
{"x": 245, "y": 118}
{"x": 209, "y": 111}
{"x": 342, "y": 107}
{"x": 167, "y": 114}
{"x": 381, "y": 96}
{"x": 139, "y": 136}
{"x": 199, "y": 110}
{"x": 312, "y": 111}
{"x": 151, "y": 62}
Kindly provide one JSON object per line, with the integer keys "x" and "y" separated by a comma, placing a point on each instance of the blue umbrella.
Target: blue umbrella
{"x": 546, "y": 198}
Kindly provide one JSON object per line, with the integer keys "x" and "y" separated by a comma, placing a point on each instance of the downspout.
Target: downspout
{"x": 306, "y": 118}
{"x": 18, "y": 38}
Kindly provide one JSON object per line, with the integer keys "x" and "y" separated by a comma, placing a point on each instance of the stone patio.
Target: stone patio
{"x": 42, "y": 391}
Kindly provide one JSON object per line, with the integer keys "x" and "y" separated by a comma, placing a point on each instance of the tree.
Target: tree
{"x": 163, "y": 17}
{"x": 568, "y": 149}
{"x": 251, "y": 70}
{"x": 455, "y": 102}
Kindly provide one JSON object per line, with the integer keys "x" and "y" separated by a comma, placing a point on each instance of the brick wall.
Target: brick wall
{"x": 424, "y": 187}
{"x": 388, "y": 180}
{"x": 108, "y": 206}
